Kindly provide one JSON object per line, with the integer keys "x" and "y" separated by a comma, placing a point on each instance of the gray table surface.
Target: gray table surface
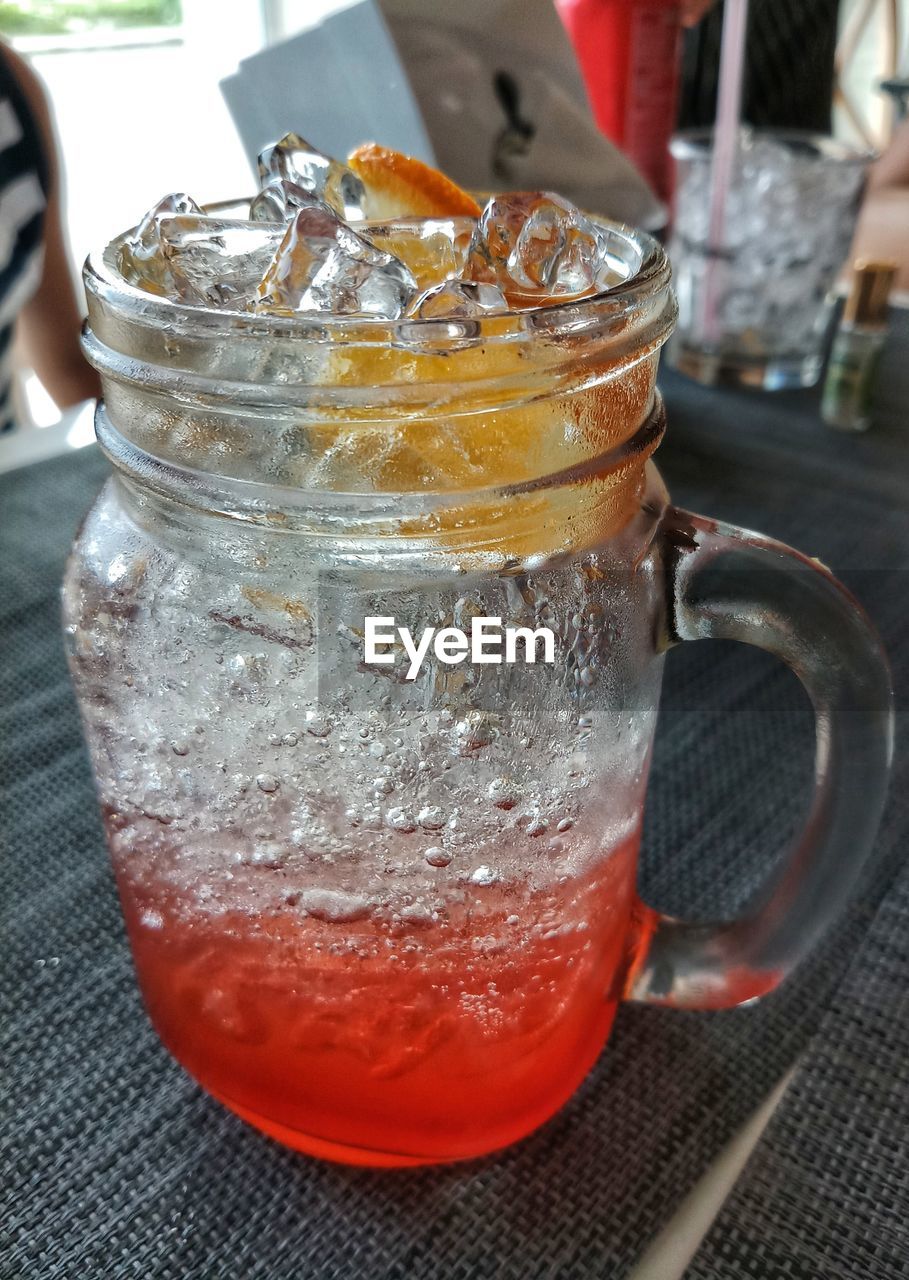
{"x": 115, "y": 1163}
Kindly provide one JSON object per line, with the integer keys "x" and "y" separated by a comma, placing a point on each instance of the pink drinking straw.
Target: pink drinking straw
{"x": 725, "y": 148}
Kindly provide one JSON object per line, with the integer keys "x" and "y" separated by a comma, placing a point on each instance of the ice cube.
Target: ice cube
{"x": 297, "y": 161}
{"x": 278, "y": 200}
{"x": 458, "y": 300}
{"x": 145, "y": 239}
{"x": 322, "y": 265}
{"x": 763, "y": 162}
{"x": 538, "y": 242}
{"x": 307, "y": 240}
{"x": 434, "y": 249}
{"x": 213, "y": 262}
{"x": 141, "y": 257}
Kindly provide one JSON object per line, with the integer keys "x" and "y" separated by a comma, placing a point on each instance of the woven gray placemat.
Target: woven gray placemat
{"x": 826, "y": 1192}
{"x": 115, "y": 1163}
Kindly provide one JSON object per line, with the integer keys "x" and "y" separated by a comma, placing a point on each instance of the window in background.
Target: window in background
{"x": 134, "y": 89}
{"x": 873, "y": 45}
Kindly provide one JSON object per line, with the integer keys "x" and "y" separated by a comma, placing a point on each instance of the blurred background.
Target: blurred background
{"x": 134, "y": 90}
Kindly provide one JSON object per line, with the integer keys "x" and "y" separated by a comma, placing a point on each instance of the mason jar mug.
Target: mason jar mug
{"x": 367, "y": 631}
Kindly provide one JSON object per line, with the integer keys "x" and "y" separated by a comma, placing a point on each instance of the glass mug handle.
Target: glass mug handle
{"x": 729, "y": 584}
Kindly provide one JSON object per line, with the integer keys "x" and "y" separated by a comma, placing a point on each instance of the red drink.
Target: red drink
{"x": 365, "y": 1040}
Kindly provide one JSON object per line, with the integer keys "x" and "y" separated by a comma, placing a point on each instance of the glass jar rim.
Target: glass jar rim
{"x": 234, "y": 396}
{"x": 695, "y": 144}
{"x": 649, "y": 273}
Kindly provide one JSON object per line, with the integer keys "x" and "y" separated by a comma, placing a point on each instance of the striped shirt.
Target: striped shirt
{"x": 24, "y": 183}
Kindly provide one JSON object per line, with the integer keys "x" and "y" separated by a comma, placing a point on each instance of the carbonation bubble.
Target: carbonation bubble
{"x": 416, "y": 913}
{"x": 477, "y": 730}
{"x": 333, "y": 905}
{"x": 401, "y": 820}
{"x": 501, "y": 791}
{"x": 267, "y": 853}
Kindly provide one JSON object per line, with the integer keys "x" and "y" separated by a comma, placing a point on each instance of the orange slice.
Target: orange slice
{"x": 398, "y": 186}
{"x": 470, "y": 446}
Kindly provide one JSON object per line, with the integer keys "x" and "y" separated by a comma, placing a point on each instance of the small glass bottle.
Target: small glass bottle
{"x": 846, "y": 401}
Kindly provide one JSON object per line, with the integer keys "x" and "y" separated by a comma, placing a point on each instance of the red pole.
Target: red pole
{"x": 630, "y": 52}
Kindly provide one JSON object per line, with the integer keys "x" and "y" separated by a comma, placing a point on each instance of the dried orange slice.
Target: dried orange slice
{"x": 398, "y": 186}
{"x": 469, "y": 446}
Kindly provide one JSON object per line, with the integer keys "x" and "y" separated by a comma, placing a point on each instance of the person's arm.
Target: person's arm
{"x": 892, "y": 170}
{"x": 48, "y": 325}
